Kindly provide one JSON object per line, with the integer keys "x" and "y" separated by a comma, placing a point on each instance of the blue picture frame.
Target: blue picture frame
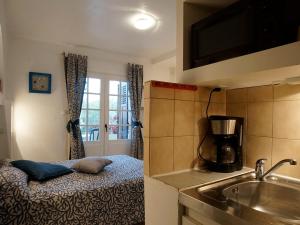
{"x": 39, "y": 83}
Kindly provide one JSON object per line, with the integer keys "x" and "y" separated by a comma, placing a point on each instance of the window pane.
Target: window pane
{"x": 94, "y": 101}
{"x": 114, "y": 87}
{"x": 83, "y": 117}
{"x": 113, "y": 118}
{"x": 86, "y": 85}
{"x": 113, "y": 132}
{"x": 119, "y": 132}
{"x": 124, "y": 118}
{"x": 129, "y": 104}
{"x": 84, "y": 101}
{"x": 93, "y": 133}
{"x": 94, "y": 85}
{"x": 94, "y": 117}
{"x": 123, "y": 103}
{"x": 83, "y": 133}
{"x": 113, "y": 102}
{"x": 129, "y": 117}
{"x": 124, "y": 88}
{"x": 124, "y": 132}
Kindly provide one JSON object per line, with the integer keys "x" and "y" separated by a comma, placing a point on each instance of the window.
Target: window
{"x": 106, "y": 112}
{"x": 119, "y": 122}
{"x": 91, "y": 110}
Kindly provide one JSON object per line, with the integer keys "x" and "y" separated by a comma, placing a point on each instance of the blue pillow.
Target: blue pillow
{"x": 41, "y": 171}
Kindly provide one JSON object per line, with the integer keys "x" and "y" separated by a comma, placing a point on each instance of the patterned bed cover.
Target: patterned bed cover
{"x": 112, "y": 197}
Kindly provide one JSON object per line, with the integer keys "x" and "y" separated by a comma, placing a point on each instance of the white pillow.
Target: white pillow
{"x": 91, "y": 164}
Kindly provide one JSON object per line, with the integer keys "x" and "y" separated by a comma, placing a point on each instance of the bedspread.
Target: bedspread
{"x": 115, "y": 196}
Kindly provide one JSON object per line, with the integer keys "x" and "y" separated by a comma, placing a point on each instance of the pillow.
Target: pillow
{"x": 41, "y": 171}
{"x": 91, "y": 164}
{"x": 4, "y": 162}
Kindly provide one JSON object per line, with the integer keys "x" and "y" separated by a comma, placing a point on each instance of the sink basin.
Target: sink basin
{"x": 245, "y": 200}
{"x": 266, "y": 197}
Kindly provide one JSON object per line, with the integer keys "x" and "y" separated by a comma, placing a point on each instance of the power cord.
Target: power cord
{"x": 206, "y": 133}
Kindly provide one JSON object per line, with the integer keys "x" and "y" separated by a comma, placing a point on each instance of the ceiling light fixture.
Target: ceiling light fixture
{"x": 143, "y": 21}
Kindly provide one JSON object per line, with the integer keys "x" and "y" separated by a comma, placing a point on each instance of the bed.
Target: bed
{"x": 115, "y": 196}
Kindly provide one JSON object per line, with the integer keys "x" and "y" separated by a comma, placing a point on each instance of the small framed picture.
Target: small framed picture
{"x": 39, "y": 83}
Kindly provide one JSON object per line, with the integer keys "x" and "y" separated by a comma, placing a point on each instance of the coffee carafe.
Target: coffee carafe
{"x": 223, "y": 148}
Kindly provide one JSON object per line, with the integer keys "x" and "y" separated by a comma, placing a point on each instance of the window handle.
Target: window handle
{"x": 105, "y": 126}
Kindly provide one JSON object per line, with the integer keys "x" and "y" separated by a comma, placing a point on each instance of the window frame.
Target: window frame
{"x": 87, "y": 109}
{"x": 118, "y": 110}
{"x": 104, "y": 110}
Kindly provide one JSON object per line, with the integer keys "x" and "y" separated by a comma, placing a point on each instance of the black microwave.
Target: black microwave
{"x": 244, "y": 27}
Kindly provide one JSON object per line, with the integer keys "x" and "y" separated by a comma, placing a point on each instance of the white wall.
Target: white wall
{"x": 163, "y": 70}
{"x": 39, "y": 120}
{"x": 4, "y": 109}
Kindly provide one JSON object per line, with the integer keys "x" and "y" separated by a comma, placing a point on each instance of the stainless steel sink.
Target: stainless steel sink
{"x": 270, "y": 198}
{"x": 245, "y": 200}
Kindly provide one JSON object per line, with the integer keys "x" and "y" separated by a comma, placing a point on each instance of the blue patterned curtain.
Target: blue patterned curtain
{"x": 75, "y": 73}
{"x": 135, "y": 80}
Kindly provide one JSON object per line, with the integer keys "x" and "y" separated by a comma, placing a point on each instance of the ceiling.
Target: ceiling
{"x": 101, "y": 24}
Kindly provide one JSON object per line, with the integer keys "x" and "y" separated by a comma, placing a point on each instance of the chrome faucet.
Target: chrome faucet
{"x": 259, "y": 169}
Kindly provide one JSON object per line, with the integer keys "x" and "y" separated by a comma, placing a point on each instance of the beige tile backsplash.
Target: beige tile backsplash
{"x": 287, "y": 119}
{"x": 162, "y": 117}
{"x": 161, "y": 155}
{"x": 183, "y": 152}
{"x": 286, "y": 92}
{"x": 260, "y": 94}
{"x": 184, "y": 118}
{"x": 272, "y": 115}
{"x": 258, "y": 148}
{"x": 260, "y": 119}
{"x": 175, "y": 122}
{"x": 237, "y": 96}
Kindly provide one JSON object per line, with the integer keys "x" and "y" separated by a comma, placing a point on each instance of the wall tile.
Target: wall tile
{"x": 184, "y": 118}
{"x": 203, "y": 95}
{"x": 196, "y": 162}
{"x": 214, "y": 109}
{"x": 146, "y": 156}
{"x": 162, "y": 118}
{"x": 183, "y": 152}
{"x": 259, "y": 121}
{"x": 237, "y": 95}
{"x": 260, "y": 94}
{"x": 238, "y": 110}
{"x": 287, "y": 119}
{"x": 284, "y": 149}
{"x": 196, "y": 144}
{"x": 200, "y": 123}
{"x": 257, "y": 148}
{"x": 286, "y": 92}
{"x": 161, "y": 155}
{"x": 160, "y": 92}
{"x": 146, "y": 124}
{"x": 147, "y": 86}
{"x": 273, "y": 123}
{"x": 187, "y": 95}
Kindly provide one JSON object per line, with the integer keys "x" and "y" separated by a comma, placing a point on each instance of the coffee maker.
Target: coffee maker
{"x": 225, "y": 151}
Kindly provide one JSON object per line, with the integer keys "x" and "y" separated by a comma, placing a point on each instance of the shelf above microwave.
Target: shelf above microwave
{"x": 261, "y": 68}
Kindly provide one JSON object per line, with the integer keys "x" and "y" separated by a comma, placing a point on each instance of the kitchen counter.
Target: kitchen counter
{"x": 162, "y": 193}
{"x": 193, "y": 178}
